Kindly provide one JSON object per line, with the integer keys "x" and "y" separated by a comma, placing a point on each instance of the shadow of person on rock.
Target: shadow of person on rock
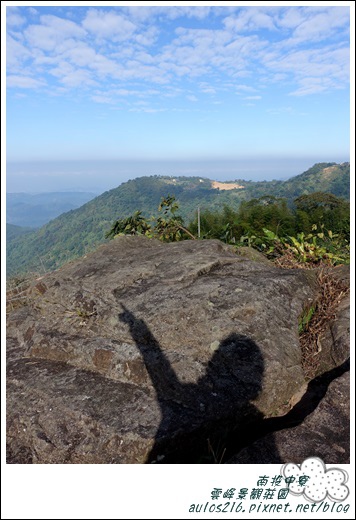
{"x": 207, "y": 421}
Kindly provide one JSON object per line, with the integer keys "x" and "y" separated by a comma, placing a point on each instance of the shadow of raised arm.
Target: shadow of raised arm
{"x": 163, "y": 377}
{"x": 201, "y": 421}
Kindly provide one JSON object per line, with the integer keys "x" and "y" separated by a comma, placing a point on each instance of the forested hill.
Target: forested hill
{"x": 81, "y": 230}
{"x": 13, "y": 232}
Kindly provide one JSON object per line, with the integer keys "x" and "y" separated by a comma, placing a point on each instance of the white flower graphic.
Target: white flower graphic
{"x": 321, "y": 483}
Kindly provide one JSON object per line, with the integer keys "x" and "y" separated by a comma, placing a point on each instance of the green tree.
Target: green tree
{"x": 169, "y": 227}
{"x": 221, "y": 224}
{"x": 134, "y": 225}
{"x": 266, "y": 212}
{"x": 323, "y": 209}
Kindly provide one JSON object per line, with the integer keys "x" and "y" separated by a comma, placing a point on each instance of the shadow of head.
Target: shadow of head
{"x": 234, "y": 374}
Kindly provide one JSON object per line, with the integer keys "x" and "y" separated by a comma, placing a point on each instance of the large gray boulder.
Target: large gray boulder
{"x": 149, "y": 352}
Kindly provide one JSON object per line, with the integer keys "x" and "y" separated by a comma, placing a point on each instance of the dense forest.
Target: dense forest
{"x": 13, "y": 232}
{"x": 281, "y": 207}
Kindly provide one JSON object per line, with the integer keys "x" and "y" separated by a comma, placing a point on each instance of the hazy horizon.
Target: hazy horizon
{"x": 100, "y": 176}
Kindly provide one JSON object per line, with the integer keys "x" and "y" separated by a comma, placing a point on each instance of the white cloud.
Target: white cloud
{"x": 244, "y": 88}
{"x": 108, "y": 24}
{"x": 147, "y": 110}
{"x": 291, "y": 18}
{"x": 145, "y": 58}
{"x": 250, "y": 20}
{"x": 145, "y": 13}
{"x": 122, "y": 46}
{"x": 13, "y": 17}
{"x": 322, "y": 25}
{"x": 32, "y": 11}
{"x": 52, "y": 31}
{"x": 103, "y": 99}
{"x": 142, "y": 13}
{"x": 200, "y": 12}
{"x": 207, "y": 89}
{"x": 196, "y": 52}
{"x": 84, "y": 56}
{"x": 280, "y": 110}
{"x": 192, "y": 98}
{"x": 235, "y": 57}
{"x": 78, "y": 78}
{"x": 121, "y": 95}
{"x": 62, "y": 69}
{"x": 311, "y": 86}
{"x": 17, "y": 81}
{"x": 147, "y": 37}
{"x": 125, "y": 92}
{"x": 16, "y": 54}
{"x": 14, "y": 20}
{"x": 202, "y": 37}
{"x": 278, "y": 77}
{"x": 314, "y": 70}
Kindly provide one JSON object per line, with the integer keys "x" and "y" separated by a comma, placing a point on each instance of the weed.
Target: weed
{"x": 17, "y": 291}
{"x": 305, "y": 318}
{"x": 313, "y": 323}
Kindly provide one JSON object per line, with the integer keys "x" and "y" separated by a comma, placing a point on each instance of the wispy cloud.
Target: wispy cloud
{"x": 244, "y": 88}
{"x": 250, "y": 20}
{"x": 159, "y": 46}
{"x": 150, "y": 13}
{"x": 78, "y": 78}
{"x": 108, "y": 24}
{"x": 319, "y": 26}
{"x": 326, "y": 68}
{"x": 17, "y": 54}
{"x": 103, "y": 99}
{"x": 13, "y": 17}
{"x": 280, "y": 110}
{"x": 147, "y": 110}
{"x": 24, "y": 82}
{"x": 51, "y": 32}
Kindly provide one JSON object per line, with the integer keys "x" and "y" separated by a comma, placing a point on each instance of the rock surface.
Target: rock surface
{"x": 148, "y": 352}
{"x": 325, "y": 433}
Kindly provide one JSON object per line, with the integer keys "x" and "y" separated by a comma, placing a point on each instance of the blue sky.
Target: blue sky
{"x": 153, "y": 86}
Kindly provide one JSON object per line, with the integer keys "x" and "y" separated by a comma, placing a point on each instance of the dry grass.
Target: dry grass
{"x": 331, "y": 291}
{"x": 17, "y": 291}
{"x": 287, "y": 260}
{"x": 226, "y": 185}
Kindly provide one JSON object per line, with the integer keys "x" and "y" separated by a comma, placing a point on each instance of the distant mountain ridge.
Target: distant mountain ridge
{"x": 35, "y": 210}
{"x": 81, "y": 230}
